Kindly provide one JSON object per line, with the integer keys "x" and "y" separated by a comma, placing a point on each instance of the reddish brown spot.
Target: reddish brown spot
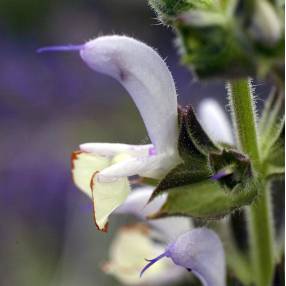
{"x": 91, "y": 181}
{"x": 105, "y": 228}
{"x": 74, "y": 156}
{"x": 136, "y": 181}
{"x": 137, "y": 227}
{"x": 105, "y": 267}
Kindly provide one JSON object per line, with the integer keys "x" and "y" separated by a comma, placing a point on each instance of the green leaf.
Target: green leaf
{"x": 272, "y": 136}
{"x": 275, "y": 162}
{"x": 207, "y": 200}
{"x": 271, "y": 123}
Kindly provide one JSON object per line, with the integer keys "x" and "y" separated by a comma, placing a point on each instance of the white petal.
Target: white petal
{"x": 127, "y": 257}
{"x": 106, "y": 198}
{"x": 84, "y": 165}
{"x": 201, "y": 251}
{"x": 215, "y": 122}
{"x": 137, "y": 204}
{"x": 146, "y": 77}
{"x": 151, "y": 166}
{"x": 112, "y": 149}
{"x": 172, "y": 227}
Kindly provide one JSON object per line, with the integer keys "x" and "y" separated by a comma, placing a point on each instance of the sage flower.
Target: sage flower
{"x": 130, "y": 247}
{"x": 132, "y": 244}
{"x": 101, "y": 170}
{"x": 200, "y": 251}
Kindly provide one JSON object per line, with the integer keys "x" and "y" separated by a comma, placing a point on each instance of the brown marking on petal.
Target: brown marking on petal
{"x": 74, "y": 156}
{"x": 105, "y": 267}
{"x": 105, "y": 228}
{"x": 136, "y": 181}
{"x": 123, "y": 75}
{"x": 137, "y": 227}
{"x": 91, "y": 181}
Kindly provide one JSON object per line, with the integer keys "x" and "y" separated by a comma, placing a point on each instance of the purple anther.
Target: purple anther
{"x": 152, "y": 151}
{"x": 219, "y": 175}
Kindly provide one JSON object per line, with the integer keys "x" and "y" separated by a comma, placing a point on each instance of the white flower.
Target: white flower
{"x": 128, "y": 251}
{"x": 101, "y": 170}
{"x": 197, "y": 250}
{"x": 200, "y": 251}
{"x": 215, "y": 122}
{"x": 133, "y": 244}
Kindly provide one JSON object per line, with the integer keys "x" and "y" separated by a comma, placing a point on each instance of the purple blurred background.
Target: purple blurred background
{"x": 49, "y": 104}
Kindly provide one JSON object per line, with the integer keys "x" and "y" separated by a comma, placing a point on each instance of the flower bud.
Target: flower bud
{"x": 266, "y": 27}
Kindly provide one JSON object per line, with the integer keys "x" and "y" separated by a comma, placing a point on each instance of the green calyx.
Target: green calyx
{"x": 195, "y": 187}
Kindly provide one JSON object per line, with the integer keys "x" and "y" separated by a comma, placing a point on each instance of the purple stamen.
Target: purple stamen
{"x": 152, "y": 151}
{"x": 67, "y": 48}
{"x": 223, "y": 173}
{"x": 152, "y": 261}
{"x": 219, "y": 175}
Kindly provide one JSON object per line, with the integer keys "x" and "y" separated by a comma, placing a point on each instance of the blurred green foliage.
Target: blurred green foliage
{"x": 227, "y": 38}
{"x": 22, "y": 16}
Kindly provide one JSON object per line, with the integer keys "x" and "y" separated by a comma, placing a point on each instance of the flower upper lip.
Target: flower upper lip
{"x": 146, "y": 77}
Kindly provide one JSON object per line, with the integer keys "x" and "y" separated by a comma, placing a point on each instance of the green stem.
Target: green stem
{"x": 259, "y": 214}
{"x": 261, "y": 238}
{"x": 243, "y": 115}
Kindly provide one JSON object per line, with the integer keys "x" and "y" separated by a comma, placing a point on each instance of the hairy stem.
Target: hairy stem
{"x": 259, "y": 214}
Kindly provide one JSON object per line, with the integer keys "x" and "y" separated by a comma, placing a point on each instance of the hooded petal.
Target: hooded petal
{"x": 84, "y": 165}
{"x": 200, "y": 251}
{"x": 146, "y": 77}
{"x": 137, "y": 204}
{"x": 127, "y": 253}
{"x": 215, "y": 122}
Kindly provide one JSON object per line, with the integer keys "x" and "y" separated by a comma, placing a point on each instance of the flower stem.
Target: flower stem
{"x": 261, "y": 238}
{"x": 243, "y": 115}
{"x": 259, "y": 214}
